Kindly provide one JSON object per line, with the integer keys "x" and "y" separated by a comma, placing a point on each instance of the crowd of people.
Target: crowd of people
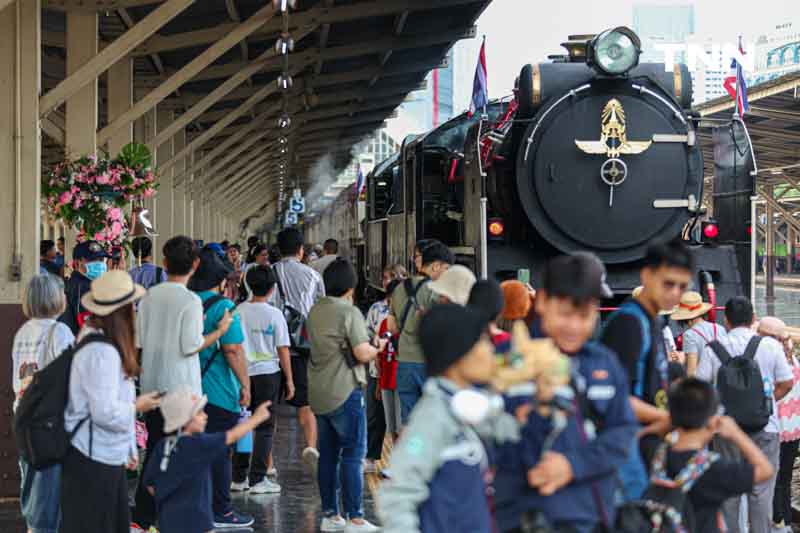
{"x": 612, "y": 427}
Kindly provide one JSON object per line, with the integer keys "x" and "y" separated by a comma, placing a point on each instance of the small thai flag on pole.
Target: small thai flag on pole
{"x": 480, "y": 86}
{"x": 736, "y": 85}
{"x": 359, "y": 182}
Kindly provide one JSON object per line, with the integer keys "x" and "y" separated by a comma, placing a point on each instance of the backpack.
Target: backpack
{"x": 665, "y": 506}
{"x": 42, "y": 439}
{"x": 741, "y": 387}
{"x": 208, "y": 304}
{"x": 296, "y": 322}
{"x": 411, "y": 292}
{"x": 157, "y": 279}
{"x": 632, "y": 309}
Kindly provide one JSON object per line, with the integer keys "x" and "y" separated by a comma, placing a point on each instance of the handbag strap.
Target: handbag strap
{"x": 207, "y": 305}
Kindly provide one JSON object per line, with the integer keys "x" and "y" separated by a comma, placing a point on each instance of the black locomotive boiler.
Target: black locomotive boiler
{"x": 595, "y": 152}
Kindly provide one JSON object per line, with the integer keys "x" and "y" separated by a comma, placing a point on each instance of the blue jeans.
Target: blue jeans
{"x": 410, "y": 379}
{"x": 40, "y": 497}
{"x": 342, "y": 443}
{"x": 219, "y": 421}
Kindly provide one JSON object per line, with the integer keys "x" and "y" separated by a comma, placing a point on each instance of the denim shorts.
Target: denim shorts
{"x": 410, "y": 379}
{"x": 40, "y": 496}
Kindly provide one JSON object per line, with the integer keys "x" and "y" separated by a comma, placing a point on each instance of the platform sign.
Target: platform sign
{"x": 291, "y": 218}
{"x": 297, "y": 204}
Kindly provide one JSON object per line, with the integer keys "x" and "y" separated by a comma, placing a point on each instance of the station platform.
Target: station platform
{"x": 295, "y": 510}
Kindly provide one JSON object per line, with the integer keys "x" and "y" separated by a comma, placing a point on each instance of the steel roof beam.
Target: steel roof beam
{"x": 315, "y": 16}
{"x": 189, "y": 71}
{"x": 112, "y": 53}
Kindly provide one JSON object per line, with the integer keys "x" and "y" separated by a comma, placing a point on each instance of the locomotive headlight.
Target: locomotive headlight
{"x": 614, "y": 52}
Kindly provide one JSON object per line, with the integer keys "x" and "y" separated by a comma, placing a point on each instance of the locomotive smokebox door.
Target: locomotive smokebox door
{"x": 593, "y": 163}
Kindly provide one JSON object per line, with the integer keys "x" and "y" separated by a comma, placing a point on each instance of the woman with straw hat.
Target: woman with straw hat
{"x": 697, "y": 331}
{"x": 101, "y": 410}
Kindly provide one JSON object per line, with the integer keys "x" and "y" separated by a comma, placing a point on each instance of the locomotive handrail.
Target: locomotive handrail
{"x": 645, "y": 90}
{"x": 573, "y": 92}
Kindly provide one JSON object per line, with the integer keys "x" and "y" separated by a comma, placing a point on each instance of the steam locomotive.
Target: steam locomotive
{"x": 594, "y": 152}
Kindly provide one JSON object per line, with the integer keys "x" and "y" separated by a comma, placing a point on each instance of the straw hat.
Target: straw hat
{"x": 638, "y": 290}
{"x": 691, "y": 306}
{"x": 455, "y": 284}
{"x": 179, "y": 407}
{"x": 109, "y": 292}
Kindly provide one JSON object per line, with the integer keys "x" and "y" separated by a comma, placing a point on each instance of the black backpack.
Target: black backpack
{"x": 741, "y": 387}
{"x": 665, "y": 506}
{"x": 298, "y": 334}
{"x": 411, "y": 294}
{"x": 42, "y": 439}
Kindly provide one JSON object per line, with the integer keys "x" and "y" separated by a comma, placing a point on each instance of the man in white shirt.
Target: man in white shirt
{"x": 331, "y": 249}
{"x": 300, "y": 287}
{"x": 169, "y": 331}
{"x": 266, "y": 344}
{"x": 777, "y": 376}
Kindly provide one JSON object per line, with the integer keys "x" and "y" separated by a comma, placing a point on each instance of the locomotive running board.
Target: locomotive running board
{"x": 689, "y": 203}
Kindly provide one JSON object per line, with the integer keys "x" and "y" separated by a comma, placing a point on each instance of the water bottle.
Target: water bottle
{"x": 245, "y": 444}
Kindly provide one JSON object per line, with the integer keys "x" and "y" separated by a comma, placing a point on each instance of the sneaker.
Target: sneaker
{"x": 265, "y": 486}
{"x": 240, "y": 487}
{"x": 136, "y": 528}
{"x": 272, "y": 472}
{"x": 311, "y": 458}
{"x": 333, "y": 523}
{"x": 370, "y": 467}
{"x": 363, "y": 527}
{"x": 233, "y": 520}
{"x": 386, "y": 473}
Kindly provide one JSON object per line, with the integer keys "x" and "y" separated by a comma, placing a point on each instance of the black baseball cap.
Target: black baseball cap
{"x": 442, "y": 345}
{"x": 90, "y": 251}
{"x": 595, "y": 272}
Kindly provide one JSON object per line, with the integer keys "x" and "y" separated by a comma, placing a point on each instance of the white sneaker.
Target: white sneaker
{"x": 240, "y": 487}
{"x": 363, "y": 527}
{"x": 265, "y": 486}
{"x": 311, "y": 458}
{"x": 334, "y": 523}
{"x": 272, "y": 472}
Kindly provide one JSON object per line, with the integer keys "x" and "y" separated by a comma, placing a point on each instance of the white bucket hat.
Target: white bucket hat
{"x": 455, "y": 284}
{"x": 109, "y": 292}
{"x": 178, "y": 408}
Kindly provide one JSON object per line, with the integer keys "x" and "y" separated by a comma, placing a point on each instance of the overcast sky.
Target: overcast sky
{"x": 526, "y": 31}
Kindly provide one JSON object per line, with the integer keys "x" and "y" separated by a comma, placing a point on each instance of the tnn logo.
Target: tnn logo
{"x": 719, "y": 58}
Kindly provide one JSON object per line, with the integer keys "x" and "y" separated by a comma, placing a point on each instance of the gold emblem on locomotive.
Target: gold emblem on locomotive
{"x": 613, "y": 137}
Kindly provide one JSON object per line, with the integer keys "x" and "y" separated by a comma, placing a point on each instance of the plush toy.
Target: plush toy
{"x": 536, "y": 361}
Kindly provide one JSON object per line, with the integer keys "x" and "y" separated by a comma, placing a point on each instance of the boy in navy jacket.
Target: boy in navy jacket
{"x": 563, "y": 474}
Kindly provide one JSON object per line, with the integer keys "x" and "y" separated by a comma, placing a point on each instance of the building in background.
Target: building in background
{"x": 777, "y": 52}
{"x": 667, "y": 23}
{"x": 707, "y": 81}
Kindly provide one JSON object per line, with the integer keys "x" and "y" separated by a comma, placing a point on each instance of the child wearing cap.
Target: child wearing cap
{"x": 563, "y": 470}
{"x": 178, "y": 474}
{"x": 439, "y": 466}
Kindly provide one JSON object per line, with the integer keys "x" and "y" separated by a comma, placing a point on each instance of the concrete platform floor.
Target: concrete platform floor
{"x": 295, "y": 510}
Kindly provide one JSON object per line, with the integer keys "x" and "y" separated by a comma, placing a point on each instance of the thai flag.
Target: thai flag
{"x": 480, "y": 86}
{"x": 359, "y": 182}
{"x": 736, "y": 80}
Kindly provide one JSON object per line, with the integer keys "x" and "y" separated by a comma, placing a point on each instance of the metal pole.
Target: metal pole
{"x": 753, "y": 247}
{"x": 484, "y": 207}
{"x": 769, "y": 252}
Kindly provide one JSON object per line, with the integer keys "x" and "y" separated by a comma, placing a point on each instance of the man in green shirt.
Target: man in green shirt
{"x": 409, "y": 301}
{"x": 340, "y": 347}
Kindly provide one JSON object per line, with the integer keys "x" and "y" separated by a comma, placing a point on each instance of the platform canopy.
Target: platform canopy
{"x": 214, "y": 67}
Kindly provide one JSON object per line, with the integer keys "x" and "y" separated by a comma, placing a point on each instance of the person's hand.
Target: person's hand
{"x": 726, "y": 427}
{"x": 148, "y": 402}
{"x": 133, "y": 463}
{"x": 380, "y": 343}
{"x": 261, "y": 414}
{"x": 552, "y": 473}
{"x": 244, "y": 397}
{"x": 225, "y": 322}
{"x": 677, "y": 357}
{"x": 522, "y": 412}
{"x": 289, "y": 389}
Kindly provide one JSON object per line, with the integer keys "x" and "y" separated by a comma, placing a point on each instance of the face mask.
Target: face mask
{"x": 95, "y": 270}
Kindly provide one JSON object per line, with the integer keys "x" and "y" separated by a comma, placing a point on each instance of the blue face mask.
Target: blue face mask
{"x": 96, "y": 269}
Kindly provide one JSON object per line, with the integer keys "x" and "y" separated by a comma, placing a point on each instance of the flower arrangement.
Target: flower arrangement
{"x": 91, "y": 193}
